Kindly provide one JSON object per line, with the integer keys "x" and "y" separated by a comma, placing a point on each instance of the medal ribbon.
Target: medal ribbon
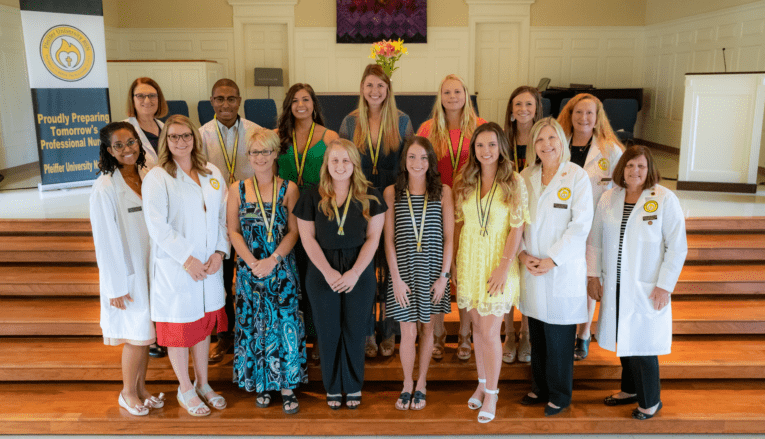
{"x": 456, "y": 159}
{"x": 230, "y": 164}
{"x": 414, "y": 221}
{"x": 300, "y": 166}
{"x": 269, "y": 226}
{"x": 483, "y": 214}
{"x": 341, "y": 222}
{"x": 374, "y": 153}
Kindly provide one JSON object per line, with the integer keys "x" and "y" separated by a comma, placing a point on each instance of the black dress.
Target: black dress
{"x": 341, "y": 319}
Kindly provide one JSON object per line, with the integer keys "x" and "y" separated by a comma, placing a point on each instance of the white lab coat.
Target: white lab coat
{"x": 151, "y": 155}
{"x": 653, "y": 254}
{"x": 184, "y": 219}
{"x": 561, "y": 217}
{"x": 122, "y": 254}
{"x": 211, "y": 147}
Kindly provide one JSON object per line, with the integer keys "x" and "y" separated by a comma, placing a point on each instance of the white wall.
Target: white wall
{"x": 695, "y": 45}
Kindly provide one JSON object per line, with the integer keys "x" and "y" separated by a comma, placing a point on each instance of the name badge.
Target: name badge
{"x": 650, "y": 217}
{"x": 135, "y": 209}
{"x": 560, "y": 206}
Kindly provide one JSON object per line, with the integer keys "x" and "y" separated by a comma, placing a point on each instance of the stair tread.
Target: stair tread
{"x": 720, "y": 241}
{"x": 47, "y": 243}
{"x": 723, "y": 273}
{"x": 50, "y": 275}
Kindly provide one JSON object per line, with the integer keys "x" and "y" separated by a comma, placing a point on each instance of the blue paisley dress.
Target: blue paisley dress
{"x": 269, "y": 334}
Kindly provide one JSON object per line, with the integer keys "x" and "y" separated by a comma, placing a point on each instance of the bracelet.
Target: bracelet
{"x": 504, "y": 257}
{"x": 221, "y": 253}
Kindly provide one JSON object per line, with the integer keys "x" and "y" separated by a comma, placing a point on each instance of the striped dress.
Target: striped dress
{"x": 419, "y": 270}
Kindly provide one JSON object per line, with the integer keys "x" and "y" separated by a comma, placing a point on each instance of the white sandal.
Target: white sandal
{"x": 488, "y": 416}
{"x": 138, "y": 410}
{"x": 193, "y": 411}
{"x": 216, "y": 401}
{"x": 477, "y": 404}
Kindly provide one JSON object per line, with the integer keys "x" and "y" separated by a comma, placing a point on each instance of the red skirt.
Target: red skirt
{"x": 186, "y": 335}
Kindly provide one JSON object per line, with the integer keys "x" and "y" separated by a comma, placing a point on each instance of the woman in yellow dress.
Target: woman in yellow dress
{"x": 491, "y": 206}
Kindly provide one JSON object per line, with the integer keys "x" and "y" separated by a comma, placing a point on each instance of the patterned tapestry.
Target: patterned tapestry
{"x": 368, "y": 21}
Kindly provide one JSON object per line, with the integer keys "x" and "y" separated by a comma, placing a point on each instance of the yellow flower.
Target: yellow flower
{"x": 396, "y": 45}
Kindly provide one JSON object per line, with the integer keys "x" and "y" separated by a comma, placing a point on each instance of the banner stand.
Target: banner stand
{"x": 69, "y": 185}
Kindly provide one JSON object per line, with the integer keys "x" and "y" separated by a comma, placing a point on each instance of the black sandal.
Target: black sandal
{"x": 353, "y": 398}
{"x": 265, "y": 396}
{"x": 335, "y": 398}
{"x": 582, "y": 348}
{"x": 418, "y": 398}
{"x": 290, "y": 399}
{"x": 405, "y": 399}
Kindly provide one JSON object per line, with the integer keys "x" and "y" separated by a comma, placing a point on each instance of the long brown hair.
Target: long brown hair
{"x": 439, "y": 133}
{"x": 391, "y": 137}
{"x": 359, "y": 184}
{"x": 511, "y": 125}
{"x": 161, "y": 102}
{"x": 286, "y": 124}
{"x": 433, "y": 185}
{"x": 602, "y": 131}
{"x": 165, "y": 157}
{"x": 467, "y": 179}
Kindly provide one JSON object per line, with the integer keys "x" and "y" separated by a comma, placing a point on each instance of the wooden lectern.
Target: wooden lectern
{"x": 722, "y": 131}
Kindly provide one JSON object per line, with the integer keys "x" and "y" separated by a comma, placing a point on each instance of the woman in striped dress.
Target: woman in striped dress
{"x": 418, "y": 247}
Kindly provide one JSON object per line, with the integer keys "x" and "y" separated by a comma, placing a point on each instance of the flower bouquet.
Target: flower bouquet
{"x": 386, "y": 53}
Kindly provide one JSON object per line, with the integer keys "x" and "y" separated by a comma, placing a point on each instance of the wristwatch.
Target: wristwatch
{"x": 446, "y": 275}
{"x": 278, "y": 258}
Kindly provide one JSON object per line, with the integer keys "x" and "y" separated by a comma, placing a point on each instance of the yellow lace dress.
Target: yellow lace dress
{"x": 479, "y": 255}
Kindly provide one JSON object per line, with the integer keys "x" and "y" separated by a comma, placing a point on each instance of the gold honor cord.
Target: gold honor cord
{"x": 483, "y": 214}
{"x": 414, "y": 221}
{"x": 230, "y": 164}
{"x": 374, "y": 153}
{"x": 456, "y": 160}
{"x": 515, "y": 157}
{"x": 269, "y": 226}
{"x": 341, "y": 222}
{"x": 300, "y": 166}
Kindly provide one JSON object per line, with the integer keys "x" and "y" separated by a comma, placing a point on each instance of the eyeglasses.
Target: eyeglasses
{"x": 232, "y": 100}
{"x": 117, "y": 146}
{"x": 175, "y": 138}
{"x": 265, "y": 153}
{"x": 141, "y": 96}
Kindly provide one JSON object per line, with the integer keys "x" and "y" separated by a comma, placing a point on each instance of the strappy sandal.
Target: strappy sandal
{"x": 488, "y": 417}
{"x": 335, "y": 398}
{"x": 406, "y": 399}
{"x": 388, "y": 346}
{"x": 217, "y": 401}
{"x": 197, "y": 410}
{"x": 418, "y": 398}
{"x": 509, "y": 348}
{"x": 464, "y": 348}
{"x": 155, "y": 402}
{"x": 287, "y": 400}
{"x": 266, "y": 397}
{"x": 477, "y": 403}
{"x": 353, "y": 398}
{"x": 438, "y": 346}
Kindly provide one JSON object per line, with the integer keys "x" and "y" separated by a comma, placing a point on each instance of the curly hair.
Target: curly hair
{"x": 391, "y": 137}
{"x": 433, "y": 185}
{"x": 286, "y": 124}
{"x": 107, "y": 164}
{"x": 602, "y": 131}
{"x": 439, "y": 133}
{"x": 165, "y": 157}
{"x": 359, "y": 184}
{"x": 467, "y": 181}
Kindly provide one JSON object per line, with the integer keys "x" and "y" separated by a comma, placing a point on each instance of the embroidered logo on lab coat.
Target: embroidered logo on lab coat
{"x": 564, "y": 194}
{"x": 650, "y": 206}
{"x": 214, "y": 183}
{"x": 603, "y": 164}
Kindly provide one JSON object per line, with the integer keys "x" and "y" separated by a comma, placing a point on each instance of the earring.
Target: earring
{"x": 512, "y": 118}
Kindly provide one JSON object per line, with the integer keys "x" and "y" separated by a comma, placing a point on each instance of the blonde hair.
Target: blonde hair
{"x": 531, "y": 151}
{"x": 602, "y": 131}
{"x": 391, "y": 137}
{"x": 439, "y": 133}
{"x": 265, "y": 137}
{"x": 165, "y": 157}
{"x": 467, "y": 180}
{"x": 359, "y": 184}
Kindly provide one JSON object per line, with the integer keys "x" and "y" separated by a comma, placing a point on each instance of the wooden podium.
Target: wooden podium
{"x": 722, "y": 131}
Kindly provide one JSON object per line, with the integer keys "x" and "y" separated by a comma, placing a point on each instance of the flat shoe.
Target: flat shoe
{"x": 530, "y": 400}
{"x": 287, "y": 400}
{"x": 582, "y": 348}
{"x": 405, "y": 399}
{"x": 138, "y": 410}
{"x": 418, "y": 398}
{"x": 552, "y": 411}
{"x": 612, "y": 402}
{"x": 266, "y": 397}
{"x": 640, "y": 416}
{"x": 157, "y": 351}
{"x": 224, "y": 346}
{"x": 217, "y": 401}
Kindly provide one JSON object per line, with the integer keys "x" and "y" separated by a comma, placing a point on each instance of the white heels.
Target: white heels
{"x": 487, "y": 417}
{"x": 138, "y": 410}
{"x": 475, "y": 404}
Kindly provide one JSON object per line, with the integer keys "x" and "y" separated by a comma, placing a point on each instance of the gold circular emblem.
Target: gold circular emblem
{"x": 603, "y": 164}
{"x": 564, "y": 194}
{"x": 214, "y": 183}
{"x": 650, "y": 206}
{"x": 67, "y": 53}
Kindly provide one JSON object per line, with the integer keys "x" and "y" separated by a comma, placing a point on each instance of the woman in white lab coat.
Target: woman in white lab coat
{"x": 555, "y": 296}
{"x": 185, "y": 209}
{"x": 637, "y": 248}
{"x": 122, "y": 254}
{"x": 145, "y": 105}
{"x": 596, "y": 148}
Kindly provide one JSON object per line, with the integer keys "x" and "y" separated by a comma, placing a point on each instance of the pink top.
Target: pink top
{"x": 445, "y": 163}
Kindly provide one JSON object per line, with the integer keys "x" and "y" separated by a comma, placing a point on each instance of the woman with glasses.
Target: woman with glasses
{"x": 184, "y": 205}
{"x": 269, "y": 338}
{"x": 145, "y": 105}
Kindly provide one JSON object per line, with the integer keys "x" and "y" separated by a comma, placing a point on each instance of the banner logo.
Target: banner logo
{"x": 67, "y": 53}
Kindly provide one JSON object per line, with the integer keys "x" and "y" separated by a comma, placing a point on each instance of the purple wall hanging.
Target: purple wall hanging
{"x": 369, "y": 21}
